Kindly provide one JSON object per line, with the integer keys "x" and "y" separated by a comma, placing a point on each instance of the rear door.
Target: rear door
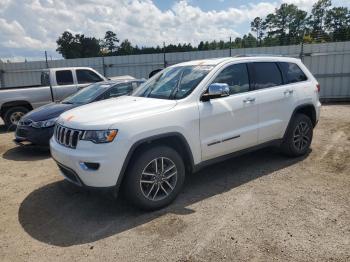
{"x": 65, "y": 85}
{"x": 275, "y": 100}
{"x": 229, "y": 124}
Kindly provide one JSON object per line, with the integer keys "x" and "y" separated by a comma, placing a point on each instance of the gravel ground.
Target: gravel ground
{"x": 257, "y": 207}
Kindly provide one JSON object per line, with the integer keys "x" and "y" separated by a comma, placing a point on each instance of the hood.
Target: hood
{"x": 103, "y": 114}
{"x": 49, "y": 111}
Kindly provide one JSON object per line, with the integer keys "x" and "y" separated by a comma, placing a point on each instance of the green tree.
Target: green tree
{"x": 249, "y": 41}
{"x": 337, "y": 22}
{"x": 257, "y": 26}
{"x": 297, "y": 26}
{"x": 318, "y": 17}
{"x": 125, "y": 48}
{"x": 67, "y": 46}
{"x": 201, "y": 46}
{"x": 90, "y": 46}
{"x": 285, "y": 26}
{"x": 110, "y": 42}
{"x": 284, "y": 16}
{"x": 238, "y": 42}
{"x": 77, "y": 46}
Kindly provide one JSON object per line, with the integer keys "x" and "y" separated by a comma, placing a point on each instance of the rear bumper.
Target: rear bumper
{"x": 318, "y": 111}
{"x": 38, "y": 136}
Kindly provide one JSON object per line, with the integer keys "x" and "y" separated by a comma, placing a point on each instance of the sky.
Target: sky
{"x": 28, "y": 27}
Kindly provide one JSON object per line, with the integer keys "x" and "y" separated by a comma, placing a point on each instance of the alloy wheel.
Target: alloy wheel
{"x": 301, "y": 136}
{"x": 15, "y": 117}
{"x": 158, "y": 179}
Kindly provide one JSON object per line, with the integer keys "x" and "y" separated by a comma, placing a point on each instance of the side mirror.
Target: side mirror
{"x": 216, "y": 90}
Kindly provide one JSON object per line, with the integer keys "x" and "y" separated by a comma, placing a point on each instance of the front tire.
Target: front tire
{"x": 155, "y": 178}
{"x": 298, "y": 138}
{"x": 13, "y": 115}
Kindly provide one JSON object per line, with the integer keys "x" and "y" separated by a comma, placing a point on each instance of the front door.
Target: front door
{"x": 229, "y": 124}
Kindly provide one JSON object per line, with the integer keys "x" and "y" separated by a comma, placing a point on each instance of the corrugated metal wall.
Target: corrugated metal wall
{"x": 329, "y": 62}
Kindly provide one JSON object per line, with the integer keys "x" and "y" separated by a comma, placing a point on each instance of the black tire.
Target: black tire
{"x": 144, "y": 162}
{"x": 14, "y": 112}
{"x": 298, "y": 137}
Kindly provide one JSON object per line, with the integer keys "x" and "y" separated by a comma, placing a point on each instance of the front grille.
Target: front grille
{"x": 67, "y": 137}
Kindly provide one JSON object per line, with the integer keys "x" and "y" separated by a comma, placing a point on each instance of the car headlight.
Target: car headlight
{"x": 100, "y": 136}
{"x": 46, "y": 123}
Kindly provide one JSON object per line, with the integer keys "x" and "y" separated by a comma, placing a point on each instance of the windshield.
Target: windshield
{"x": 173, "y": 82}
{"x": 88, "y": 94}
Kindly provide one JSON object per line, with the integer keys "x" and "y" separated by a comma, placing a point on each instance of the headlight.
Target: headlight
{"x": 100, "y": 136}
{"x": 46, "y": 123}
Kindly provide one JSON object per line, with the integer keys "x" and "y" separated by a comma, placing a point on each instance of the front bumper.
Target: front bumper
{"x": 38, "y": 136}
{"x": 109, "y": 156}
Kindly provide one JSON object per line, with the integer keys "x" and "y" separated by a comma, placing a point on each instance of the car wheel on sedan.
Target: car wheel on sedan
{"x": 13, "y": 115}
{"x": 155, "y": 178}
{"x": 298, "y": 138}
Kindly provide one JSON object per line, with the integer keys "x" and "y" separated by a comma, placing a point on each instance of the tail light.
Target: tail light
{"x": 318, "y": 86}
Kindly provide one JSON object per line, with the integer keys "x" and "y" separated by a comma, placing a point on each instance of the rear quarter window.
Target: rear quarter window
{"x": 292, "y": 73}
{"x": 266, "y": 74}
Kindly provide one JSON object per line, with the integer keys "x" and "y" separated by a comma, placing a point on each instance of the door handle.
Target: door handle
{"x": 288, "y": 91}
{"x": 249, "y": 100}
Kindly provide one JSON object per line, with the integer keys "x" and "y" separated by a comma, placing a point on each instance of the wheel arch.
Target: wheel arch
{"x": 306, "y": 109}
{"x": 7, "y": 105}
{"x": 173, "y": 139}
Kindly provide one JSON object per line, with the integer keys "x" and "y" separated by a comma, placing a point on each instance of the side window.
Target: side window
{"x": 119, "y": 90}
{"x": 266, "y": 74}
{"x": 64, "y": 77}
{"x": 87, "y": 76}
{"x": 292, "y": 72}
{"x": 236, "y": 76}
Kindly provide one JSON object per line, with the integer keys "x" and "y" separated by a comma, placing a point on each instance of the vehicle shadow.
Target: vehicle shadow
{"x": 63, "y": 215}
{"x": 27, "y": 153}
{"x": 4, "y": 129}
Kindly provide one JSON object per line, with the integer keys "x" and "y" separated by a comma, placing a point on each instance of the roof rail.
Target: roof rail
{"x": 252, "y": 55}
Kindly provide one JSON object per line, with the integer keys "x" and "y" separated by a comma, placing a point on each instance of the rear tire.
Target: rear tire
{"x": 13, "y": 115}
{"x": 155, "y": 178}
{"x": 298, "y": 138}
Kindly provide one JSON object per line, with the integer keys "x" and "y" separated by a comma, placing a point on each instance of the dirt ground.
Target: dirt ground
{"x": 257, "y": 207}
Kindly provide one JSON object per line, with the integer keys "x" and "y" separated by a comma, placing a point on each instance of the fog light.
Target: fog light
{"x": 89, "y": 166}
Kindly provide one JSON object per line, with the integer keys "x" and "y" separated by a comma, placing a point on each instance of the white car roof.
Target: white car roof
{"x": 217, "y": 61}
{"x": 67, "y": 68}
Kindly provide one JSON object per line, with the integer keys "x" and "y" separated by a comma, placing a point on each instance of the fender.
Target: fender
{"x": 151, "y": 139}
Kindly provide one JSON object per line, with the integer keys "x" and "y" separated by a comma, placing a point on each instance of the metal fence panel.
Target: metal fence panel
{"x": 329, "y": 62}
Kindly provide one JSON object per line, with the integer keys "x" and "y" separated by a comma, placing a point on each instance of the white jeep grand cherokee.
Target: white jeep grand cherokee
{"x": 183, "y": 118}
